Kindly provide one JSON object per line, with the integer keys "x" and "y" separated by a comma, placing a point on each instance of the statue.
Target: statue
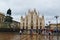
{"x": 9, "y": 11}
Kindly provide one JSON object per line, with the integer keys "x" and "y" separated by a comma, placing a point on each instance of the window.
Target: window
{"x": 40, "y": 23}
{"x": 40, "y": 27}
{"x": 31, "y": 27}
{"x": 36, "y": 27}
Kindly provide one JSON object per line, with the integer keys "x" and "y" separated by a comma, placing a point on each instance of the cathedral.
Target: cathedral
{"x": 32, "y": 20}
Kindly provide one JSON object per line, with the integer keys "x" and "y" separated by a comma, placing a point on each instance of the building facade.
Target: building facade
{"x": 32, "y": 20}
{"x": 54, "y": 26}
{"x": 2, "y": 16}
{"x": 3, "y": 24}
{"x": 15, "y": 24}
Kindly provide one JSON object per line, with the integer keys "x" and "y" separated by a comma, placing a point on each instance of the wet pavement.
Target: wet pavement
{"x": 9, "y": 36}
{"x": 15, "y": 36}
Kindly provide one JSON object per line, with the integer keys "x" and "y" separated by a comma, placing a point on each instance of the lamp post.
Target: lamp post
{"x": 57, "y": 25}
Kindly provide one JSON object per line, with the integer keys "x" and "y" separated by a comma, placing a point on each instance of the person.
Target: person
{"x": 20, "y": 32}
{"x": 50, "y": 35}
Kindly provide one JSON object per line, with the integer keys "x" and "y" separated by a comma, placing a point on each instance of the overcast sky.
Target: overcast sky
{"x": 48, "y": 8}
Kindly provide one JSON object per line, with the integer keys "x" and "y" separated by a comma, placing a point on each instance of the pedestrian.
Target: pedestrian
{"x": 50, "y": 35}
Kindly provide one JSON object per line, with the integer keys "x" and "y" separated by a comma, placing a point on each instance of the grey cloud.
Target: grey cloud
{"x": 19, "y": 7}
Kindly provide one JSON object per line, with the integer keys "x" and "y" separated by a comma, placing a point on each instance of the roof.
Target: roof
{"x": 2, "y": 14}
{"x": 15, "y": 21}
{"x": 55, "y": 24}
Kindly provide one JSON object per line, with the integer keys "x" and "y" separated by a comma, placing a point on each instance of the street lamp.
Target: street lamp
{"x": 57, "y": 25}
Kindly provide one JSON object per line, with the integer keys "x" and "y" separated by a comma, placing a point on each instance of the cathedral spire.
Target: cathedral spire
{"x": 35, "y": 11}
{"x": 21, "y": 17}
{"x": 43, "y": 16}
{"x": 29, "y": 11}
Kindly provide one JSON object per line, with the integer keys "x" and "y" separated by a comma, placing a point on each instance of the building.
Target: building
{"x": 15, "y": 24}
{"x": 54, "y": 26}
{"x": 2, "y": 16}
{"x": 32, "y": 20}
{"x": 3, "y": 24}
